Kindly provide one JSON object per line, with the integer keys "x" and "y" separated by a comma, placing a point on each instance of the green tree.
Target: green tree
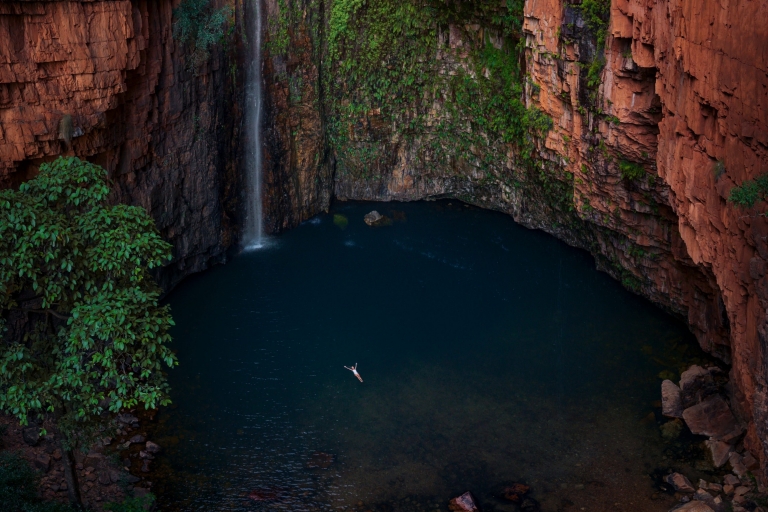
{"x": 81, "y": 330}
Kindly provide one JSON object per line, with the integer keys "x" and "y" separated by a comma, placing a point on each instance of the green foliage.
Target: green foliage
{"x": 19, "y": 485}
{"x": 200, "y": 27}
{"x": 718, "y": 169}
{"x": 750, "y": 192}
{"x": 135, "y": 504}
{"x": 597, "y": 14}
{"x": 77, "y": 269}
{"x": 279, "y": 39}
{"x": 382, "y": 65}
{"x": 631, "y": 170}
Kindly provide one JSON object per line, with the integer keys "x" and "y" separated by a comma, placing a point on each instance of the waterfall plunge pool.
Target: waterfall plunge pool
{"x": 490, "y": 354}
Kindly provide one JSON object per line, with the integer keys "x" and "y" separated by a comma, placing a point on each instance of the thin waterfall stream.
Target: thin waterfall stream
{"x": 253, "y": 235}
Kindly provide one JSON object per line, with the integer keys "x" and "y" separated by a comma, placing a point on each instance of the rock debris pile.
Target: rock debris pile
{"x": 702, "y": 402}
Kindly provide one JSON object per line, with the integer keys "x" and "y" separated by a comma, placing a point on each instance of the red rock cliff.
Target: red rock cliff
{"x": 688, "y": 82}
{"x": 166, "y": 134}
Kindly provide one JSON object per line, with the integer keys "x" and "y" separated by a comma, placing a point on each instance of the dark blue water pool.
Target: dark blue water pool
{"x": 490, "y": 354}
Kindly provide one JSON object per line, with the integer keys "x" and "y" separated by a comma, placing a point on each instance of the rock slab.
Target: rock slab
{"x": 712, "y": 417}
{"x": 463, "y": 503}
{"x": 671, "y": 403}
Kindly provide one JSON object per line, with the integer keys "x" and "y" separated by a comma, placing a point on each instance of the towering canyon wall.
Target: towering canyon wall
{"x": 167, "y": 134}
{"x": 631, "y": 158}
{"x": 643, "y": 150}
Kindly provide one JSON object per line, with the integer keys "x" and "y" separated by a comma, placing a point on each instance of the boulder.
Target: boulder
{"x": 679, "y": 482}
{"x": 127, "y": 419}
{"x": 145, "y": 466}
{"x": 712, "y": 417}
{"x": 696, "y": 384}
{"x": 137, "y": 439}
{"x": 463, "y": 503}
{"x": 671, "y": 402}
{"x": 152, "y": 447}
{"x": 750, "y": 461}
{"x": 737, "y": 464}
{"x": 731, "y": 480}
{"x": 720, "y": 451}
{"x": 373, "y": 218}
{"x": 693, "y": 506}
{"x": 31, "y": 435}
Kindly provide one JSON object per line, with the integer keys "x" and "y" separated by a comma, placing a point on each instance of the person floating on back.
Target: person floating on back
{"x": 354, "y": 371}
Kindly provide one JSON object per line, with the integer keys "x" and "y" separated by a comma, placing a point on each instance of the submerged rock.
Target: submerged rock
{"x": 712, "y": 417}
{"x": 463, "y": 503}
{"x": 671, "y": 402}
{"x": 515, "y": 492}
{"x": 340, "y": 220}
{"x": 671, "y": 430}
{"x": 680, "y": 482}
{"x": 320, "y": 460}
{"x": 269, "y": 494}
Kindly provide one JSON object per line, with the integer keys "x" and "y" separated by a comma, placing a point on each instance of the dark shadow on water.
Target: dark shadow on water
{"x": 490, "y": 353}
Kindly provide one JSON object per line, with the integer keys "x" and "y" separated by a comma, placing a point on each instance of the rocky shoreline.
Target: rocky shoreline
{"x": 702, "y": 402}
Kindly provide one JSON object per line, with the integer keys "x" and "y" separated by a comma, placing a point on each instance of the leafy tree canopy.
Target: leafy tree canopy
{"x": 81, "y": 330}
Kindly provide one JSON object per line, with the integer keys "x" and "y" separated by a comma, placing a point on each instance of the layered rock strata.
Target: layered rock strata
{"x": 105, "y": 80}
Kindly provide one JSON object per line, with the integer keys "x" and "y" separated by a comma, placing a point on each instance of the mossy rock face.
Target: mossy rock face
{"x": 341, "y": 220}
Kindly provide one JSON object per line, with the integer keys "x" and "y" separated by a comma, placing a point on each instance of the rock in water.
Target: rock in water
{"x": 320, "y": 460}
{"x": 712, "y": 417}
{"x": 680, "y": 482}
{"x": 463, "y": 503}
{"x": 671, "y": 430}
{"x": 152, "y": 447}
{"x": 373, "y": 218}
{"x": 671, "y": 404}
{"x": 515, "y": 492}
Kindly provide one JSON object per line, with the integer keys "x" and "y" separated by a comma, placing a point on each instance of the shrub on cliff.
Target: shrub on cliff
{"x": 750, "y": 192}
{"x": 81, "y": 330}
{"x": 200, "y": 27}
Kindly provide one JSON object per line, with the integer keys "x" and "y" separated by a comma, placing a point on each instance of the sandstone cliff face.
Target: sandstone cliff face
{"x": 683, "y": 101}
{"x": 168, "y": 135}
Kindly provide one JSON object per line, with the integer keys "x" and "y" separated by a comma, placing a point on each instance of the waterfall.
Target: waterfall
{"x": 253, "y": 235}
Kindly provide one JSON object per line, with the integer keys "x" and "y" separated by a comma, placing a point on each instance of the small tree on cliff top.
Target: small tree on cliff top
{"x": 81, "y": 330}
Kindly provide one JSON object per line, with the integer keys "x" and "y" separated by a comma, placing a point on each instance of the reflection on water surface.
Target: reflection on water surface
{"x": 490, "y": 354}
